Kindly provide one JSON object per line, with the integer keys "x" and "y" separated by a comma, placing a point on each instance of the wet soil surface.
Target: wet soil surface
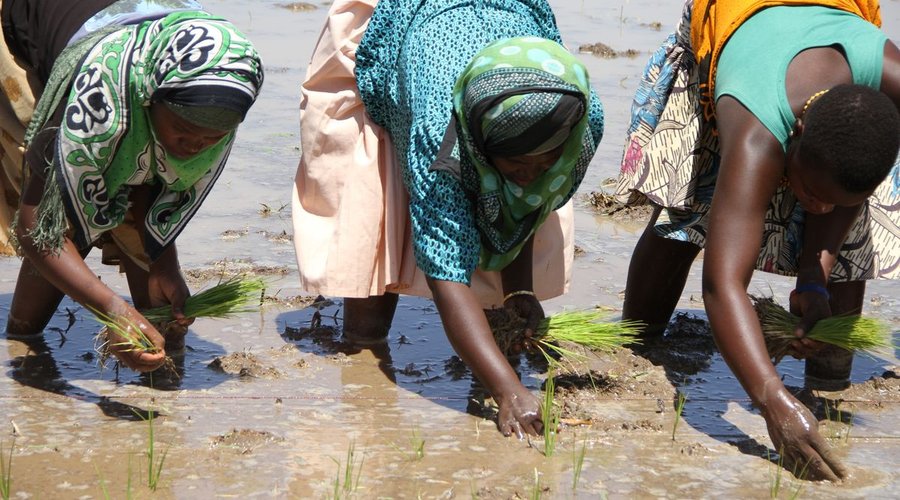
{"x": 294, "y": 409}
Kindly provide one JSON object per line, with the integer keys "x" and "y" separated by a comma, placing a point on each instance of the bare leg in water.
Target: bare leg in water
{"x": 656, "y": 276}
{"x": 34, "y": 301}
{"x": 368, "y": 320}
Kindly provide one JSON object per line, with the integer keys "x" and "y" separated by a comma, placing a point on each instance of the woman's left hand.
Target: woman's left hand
{"x": 528, "y": 307}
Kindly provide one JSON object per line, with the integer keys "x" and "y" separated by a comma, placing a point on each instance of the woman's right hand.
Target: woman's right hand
{"x": 520, "y": 414}
{"x": 795, "y": 435}
{"x": 128, "y": 318}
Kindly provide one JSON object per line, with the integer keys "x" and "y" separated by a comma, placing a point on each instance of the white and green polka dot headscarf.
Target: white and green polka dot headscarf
{"x": 497, "y": 99}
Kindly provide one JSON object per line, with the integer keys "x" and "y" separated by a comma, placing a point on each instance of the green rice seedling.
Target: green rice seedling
{"x": 775, "y": 479}
{"x": 582, "y": 328}
{"x": 102, "y": 482}
{"x": 155, "y": 460}
{"x": 550, "y": 414}
{"x": 6, "y": 470}
{"x": 128, "y": 485}
{"x": 418, "y": 445}
{"x": 578, "y": 464}
{"x": 130, "y": 338}
{"x": 852, "y": 332}
{"x": 537, "y": 490}
{"x": 228, "y": 298}
{"x": 344, "y": 482}
{"x": 679, "y": 407}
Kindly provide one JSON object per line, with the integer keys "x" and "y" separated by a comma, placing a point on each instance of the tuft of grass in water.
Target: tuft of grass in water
{"x": 6, "y": 470}
{"x": 679, "y": 407}
{"x": 550, "y": 414}
{"x": 344, "y": 482}
{"x": 582, "y": 328}
{"x": 578, "y": 464}
{"x": 234, "y": 296}
{"x": 155, "y": 460}
{"x": 852, "y": 332}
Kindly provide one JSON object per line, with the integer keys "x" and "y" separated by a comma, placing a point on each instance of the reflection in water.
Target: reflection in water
{"x": 33, "y": 366}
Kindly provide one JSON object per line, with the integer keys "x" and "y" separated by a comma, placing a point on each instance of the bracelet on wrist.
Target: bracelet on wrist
{"x": 516, "y": 293}
{"x": 813, "y": 287}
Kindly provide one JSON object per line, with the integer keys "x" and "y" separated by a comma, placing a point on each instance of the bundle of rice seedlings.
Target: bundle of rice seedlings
{"x": 582, "y": 328}
{"x": 130, "y": 338}
{"x": 234, "y": 296}
{"x": 854, "y": 333}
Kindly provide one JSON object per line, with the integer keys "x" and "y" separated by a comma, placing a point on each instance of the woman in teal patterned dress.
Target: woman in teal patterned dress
{"x": 493, "y": 124}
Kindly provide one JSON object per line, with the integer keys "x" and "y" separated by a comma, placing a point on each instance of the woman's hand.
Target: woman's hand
{"x": 166, "y": 286}
{"x": 527, "y": 307}
{"x": 136, "y": 327}
{"x": 520, "y": 413}
{"x": 811, "y": 306}
{"x": 795, "y": 435}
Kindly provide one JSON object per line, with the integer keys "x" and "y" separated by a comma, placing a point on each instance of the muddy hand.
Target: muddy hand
{"x": 142, "y": 360}
{"x": 529, "y": 308}
{"x": 811, "y": 307}
{"x": 795, "y": 434}
{"x": 520, "y": 414}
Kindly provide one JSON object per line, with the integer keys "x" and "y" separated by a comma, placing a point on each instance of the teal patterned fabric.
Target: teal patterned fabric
{"x": 535, "y": 73}
{"x": 408, "y": 61}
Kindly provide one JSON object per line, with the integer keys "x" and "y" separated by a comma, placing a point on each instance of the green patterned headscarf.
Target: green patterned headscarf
{"x": 520, "y": 96}
{"x": 106, "y": 143}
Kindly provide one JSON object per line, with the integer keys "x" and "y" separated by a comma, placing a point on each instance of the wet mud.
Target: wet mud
{"x": 277, "y": 404}
{"x": 605, "y": 51}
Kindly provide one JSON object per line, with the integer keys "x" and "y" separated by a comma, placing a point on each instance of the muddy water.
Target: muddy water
{"x": 281, "y": 407}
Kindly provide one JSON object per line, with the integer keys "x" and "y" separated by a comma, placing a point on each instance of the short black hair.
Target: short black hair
{"x": 853, "y": 132}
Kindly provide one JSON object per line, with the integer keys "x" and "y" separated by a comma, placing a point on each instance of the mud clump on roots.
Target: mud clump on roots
{"x": 605, "y": 51}
{"x": 244, "y": 441}
{"x": 243, "y": 364}
{"x": 298, "y": 6}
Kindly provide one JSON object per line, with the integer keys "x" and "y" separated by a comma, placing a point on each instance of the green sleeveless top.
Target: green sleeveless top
{"x": 754, "y": 62}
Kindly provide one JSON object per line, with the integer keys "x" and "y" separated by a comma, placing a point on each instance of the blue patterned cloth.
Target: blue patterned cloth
{"x": 406, "y": 66}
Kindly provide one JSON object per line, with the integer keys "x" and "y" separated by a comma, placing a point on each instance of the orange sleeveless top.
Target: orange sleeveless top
{"x": 713, "y": 22}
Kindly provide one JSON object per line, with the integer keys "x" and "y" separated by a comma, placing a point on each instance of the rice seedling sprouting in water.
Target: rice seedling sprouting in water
{"x": 854, "y": 333}
{"x": 679, "y": 408}
{"x": 345, "y": 486}
{"x": 155, "y": 460}
{"x": 550, "y": 414}
{"x": 578, "y": 464}
{"x": 537, "y": 491}
{"x": 6, "y": 470}
{"x": 234, "y": 296}
{"x": 775, "y": 479}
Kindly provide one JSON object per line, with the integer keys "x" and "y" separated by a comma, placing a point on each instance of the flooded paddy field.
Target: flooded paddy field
{"x": 274, "y": 405}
